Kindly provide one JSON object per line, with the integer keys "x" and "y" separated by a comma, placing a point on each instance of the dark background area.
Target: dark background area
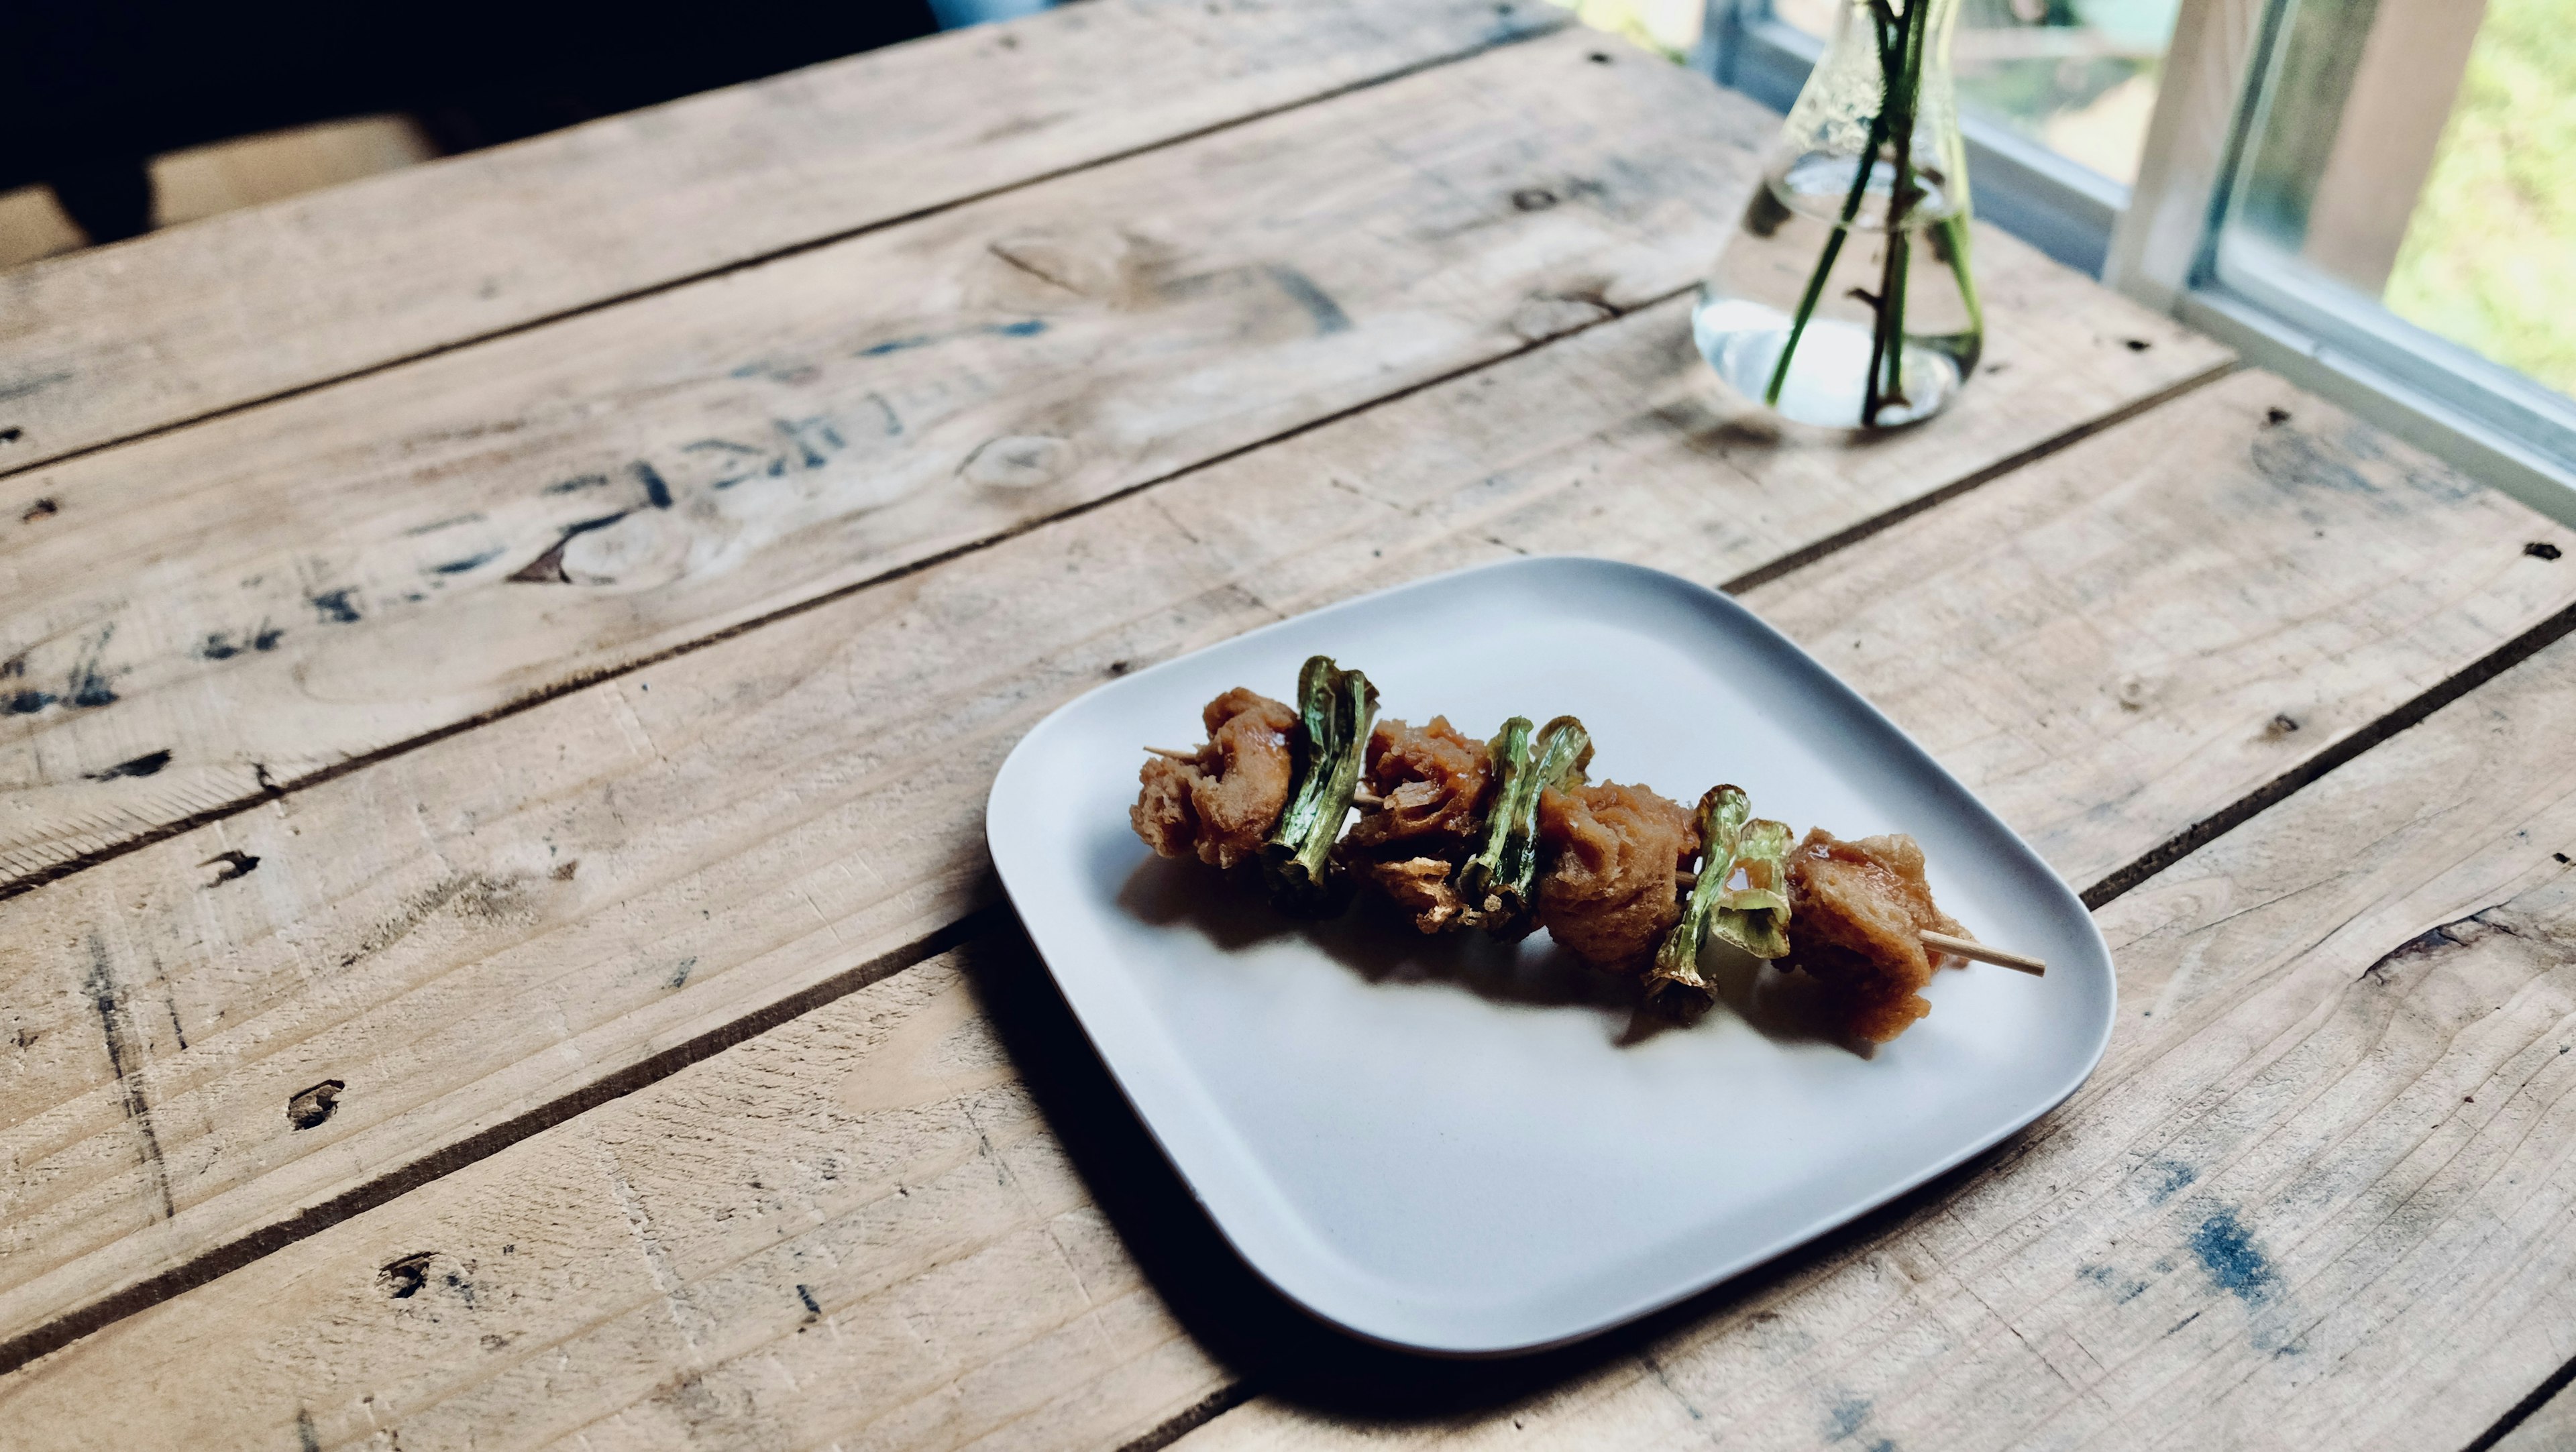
{"x": 90, "y": 89}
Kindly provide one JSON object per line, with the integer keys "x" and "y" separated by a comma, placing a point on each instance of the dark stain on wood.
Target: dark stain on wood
{"x": 2235, "y": 1263}
{"x": 576, "y": 484}
{"x": 470, "y": 562}
{"x": 39, "y": 509}
{"x": 125, "y": 1060}
{"x": 478, "y": 895}
{"x": 12, "y": 435}
{"x": 1024, "y": 328}
{"x": 432, "y": 528}
{"x": 1319, "y": 305}
{"x": 230, "y": 866}
{"x": 334, "y": 607}
{"x": 656, "y": 493}
{"x": 311, "y": 1108}
{"x": 220, "y": 644}
{"x": 132, "y": 768}
{"x": 2541, "y": 549}
{"x": 88, "y": 685}
{"x": 12, "y": 392}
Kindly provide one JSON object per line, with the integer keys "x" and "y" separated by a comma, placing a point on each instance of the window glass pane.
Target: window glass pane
{"x": 2421, "y": 154}
{"x": 2076, "y": 75}
{"x": 1670, "y": 26}
{"x": 2489, "y": 259}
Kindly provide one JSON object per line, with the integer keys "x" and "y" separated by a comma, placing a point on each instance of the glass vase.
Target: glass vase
{"x": 1845, "y": 296}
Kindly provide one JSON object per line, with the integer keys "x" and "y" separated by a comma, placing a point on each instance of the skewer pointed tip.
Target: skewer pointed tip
{"x": 1975, "y": 951}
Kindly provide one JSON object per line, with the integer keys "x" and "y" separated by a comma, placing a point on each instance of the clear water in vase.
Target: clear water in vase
{"x": 1838, "y": 373}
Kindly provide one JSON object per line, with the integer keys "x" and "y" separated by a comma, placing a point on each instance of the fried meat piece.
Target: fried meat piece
{"x": 1607, "y": 891}
{"x": 1858, "y": 911}
{"x": 1224, "y": 804}
{"x": 1434, "y": 782}
{"x": 1420, "y": 886}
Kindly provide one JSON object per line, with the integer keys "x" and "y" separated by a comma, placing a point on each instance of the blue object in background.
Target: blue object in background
{"x": 953, "y": 14}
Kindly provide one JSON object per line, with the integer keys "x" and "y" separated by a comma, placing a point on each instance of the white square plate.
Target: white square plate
{"x": 1464, "y": 1148}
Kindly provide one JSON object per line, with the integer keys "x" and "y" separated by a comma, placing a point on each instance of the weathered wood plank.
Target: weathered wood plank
{"x": 213, "y": 614}
{"x": 2211, "y": 957}
{"x": 734, "y": 827}
{"x": 2319, "y": 1194}
{"x": 110, "y": 344}
{"x": 891, "y": 1252}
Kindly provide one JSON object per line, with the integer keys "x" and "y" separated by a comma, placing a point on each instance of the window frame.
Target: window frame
{"x": 2158, "y": 242}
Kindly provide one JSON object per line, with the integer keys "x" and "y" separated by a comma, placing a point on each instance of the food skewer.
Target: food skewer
{"x": 1971, "y": 948}
{"x": 1956, "y": 947}
{"x": 1511, "y": 835}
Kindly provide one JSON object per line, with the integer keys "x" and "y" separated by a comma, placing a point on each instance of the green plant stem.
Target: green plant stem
{"x": 1334, "y": 709}
{"x": 1825, "y": 263}
{"x": 1954, "y": 232}
{"x": 1903, "y": 84}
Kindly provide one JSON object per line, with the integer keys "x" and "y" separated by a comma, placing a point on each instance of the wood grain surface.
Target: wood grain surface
{"x": 208, "y": 616}
{"x": 133, "y": 338}
{"x": 2204, "y": 1231}
{"x": 801, "y": 803}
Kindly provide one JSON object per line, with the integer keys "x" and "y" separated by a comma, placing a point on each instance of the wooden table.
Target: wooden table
{"x": 500, "y": 666}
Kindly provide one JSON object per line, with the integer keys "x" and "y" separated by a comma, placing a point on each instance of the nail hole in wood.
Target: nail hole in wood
{"x": 403, "y": 1279}
{"x": 314, "y": 1105}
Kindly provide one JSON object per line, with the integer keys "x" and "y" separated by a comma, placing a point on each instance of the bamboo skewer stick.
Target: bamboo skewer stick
{"x": 1968, "y": 948}
{"x": 1972, "y": 949}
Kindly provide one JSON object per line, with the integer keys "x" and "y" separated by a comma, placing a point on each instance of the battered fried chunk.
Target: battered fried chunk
{"x": 1222, "y": 805}
{"x": 1608, "y": 892}
{"x": 1434, "y": 782}
{"x": 1858, "y": 913}
{"x": 1420, "y": 886}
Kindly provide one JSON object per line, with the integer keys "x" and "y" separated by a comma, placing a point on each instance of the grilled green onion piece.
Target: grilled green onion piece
{"x": 1334, "y": 708}
{"x": 1674, "y": 987}
{"x": 1495, "y": 883}
{"x": 1754, "y": 917}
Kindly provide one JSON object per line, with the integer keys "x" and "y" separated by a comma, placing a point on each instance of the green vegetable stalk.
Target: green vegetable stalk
{"x": 1495, "y": 883}
{"x": 1754, "y": 918}
{"x": 1335, "y": 708}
